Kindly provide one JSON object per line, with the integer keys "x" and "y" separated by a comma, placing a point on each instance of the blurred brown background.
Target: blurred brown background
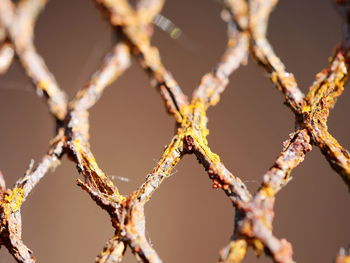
{"x": 187, "y": 220}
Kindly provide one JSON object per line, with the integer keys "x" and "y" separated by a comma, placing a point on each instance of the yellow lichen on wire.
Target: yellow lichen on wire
{"x": 12, "y": 201}
{"x": 247, "y": 22}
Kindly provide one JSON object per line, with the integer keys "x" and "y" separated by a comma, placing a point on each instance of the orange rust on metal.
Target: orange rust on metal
{"x": 343, "y": 256}
{"x": 247, "y": 24}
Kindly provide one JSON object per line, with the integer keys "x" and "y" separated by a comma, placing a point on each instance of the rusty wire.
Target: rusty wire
{"x": 247, "y": 22}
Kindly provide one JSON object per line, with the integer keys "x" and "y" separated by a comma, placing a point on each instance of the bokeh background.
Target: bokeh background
{"x": 187, "y": 220}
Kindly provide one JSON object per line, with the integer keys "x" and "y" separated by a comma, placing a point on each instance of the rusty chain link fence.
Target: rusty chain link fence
{"x": 247, "y": 22}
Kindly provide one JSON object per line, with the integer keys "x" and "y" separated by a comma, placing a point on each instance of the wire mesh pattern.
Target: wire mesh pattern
{"x": 247, "y": 22}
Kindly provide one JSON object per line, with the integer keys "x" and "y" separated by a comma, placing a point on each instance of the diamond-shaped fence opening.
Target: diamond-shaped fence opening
{"x": 247, "y": 22}
{"x": 27, "y": 126}
{"x": 117, "y": 139}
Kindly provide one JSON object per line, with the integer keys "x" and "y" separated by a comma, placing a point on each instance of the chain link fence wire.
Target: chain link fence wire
{"x": 247, "y": 22}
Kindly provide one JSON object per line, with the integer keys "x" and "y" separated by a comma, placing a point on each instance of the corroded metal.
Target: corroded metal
{"x": 247, "y": 24}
